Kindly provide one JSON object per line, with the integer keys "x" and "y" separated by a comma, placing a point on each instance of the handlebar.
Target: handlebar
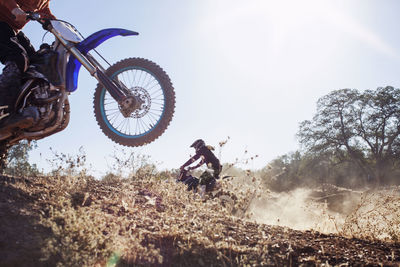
{"x": 29, "y": 15}
{"x": 36, "y": 17}
{"x": 33, "y": 16}
{"x": 186, "y": 169}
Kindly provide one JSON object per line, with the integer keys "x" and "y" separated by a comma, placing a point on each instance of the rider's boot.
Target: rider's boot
{"x": 10, "y": 83}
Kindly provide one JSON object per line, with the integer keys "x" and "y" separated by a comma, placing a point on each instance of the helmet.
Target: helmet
{"x": 199, "y": 143}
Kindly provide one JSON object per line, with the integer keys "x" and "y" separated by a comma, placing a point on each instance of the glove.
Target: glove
{"x": 19, "y": 14}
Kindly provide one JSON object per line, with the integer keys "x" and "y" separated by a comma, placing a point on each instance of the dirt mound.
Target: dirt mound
{"x": 83, "y": 222}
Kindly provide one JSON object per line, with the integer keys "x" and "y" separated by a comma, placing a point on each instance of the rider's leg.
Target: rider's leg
{"x": 14, "y": 47}
{"x": 207, "y": 180}
{"x": 9, "y": 88}
{"x": 217, "y": 171}
{"x": 211, "y": 184}
{"x": 26, "y": 44}
{"x": 15, "y": 57}
{"x": 205, "y": 177}
{"x": 9, "y": 82}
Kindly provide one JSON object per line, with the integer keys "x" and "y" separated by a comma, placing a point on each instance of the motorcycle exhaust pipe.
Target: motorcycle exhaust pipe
{"x": 42, "y": 102}
{"x": 59, "y": 125}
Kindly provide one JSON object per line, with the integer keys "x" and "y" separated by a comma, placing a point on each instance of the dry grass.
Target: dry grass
{"x": 138, "y": 221}
{"x": 376, "y": 217}
{"x": 153, "y": 222}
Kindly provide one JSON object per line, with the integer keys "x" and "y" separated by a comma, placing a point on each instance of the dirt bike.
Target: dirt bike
{"x": 134, "y": 101}
{"x": 212, "y": 189}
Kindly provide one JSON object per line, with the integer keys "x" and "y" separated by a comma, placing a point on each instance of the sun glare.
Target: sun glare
{"x": 259, "y": 29}
{"x": 265, "y": 27}
{"x": 287, "y": 38}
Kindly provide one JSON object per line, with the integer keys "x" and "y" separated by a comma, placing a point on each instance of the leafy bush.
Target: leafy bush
{"x": 18, "y": 160}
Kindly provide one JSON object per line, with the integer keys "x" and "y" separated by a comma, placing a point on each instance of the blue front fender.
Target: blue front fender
{"x": 84, "y": 47}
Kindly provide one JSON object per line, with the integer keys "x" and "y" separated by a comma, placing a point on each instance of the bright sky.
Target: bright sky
{"x": 251, "y": 70}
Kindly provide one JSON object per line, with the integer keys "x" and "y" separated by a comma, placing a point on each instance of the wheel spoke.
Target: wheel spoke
{"x": 143, "y": 82}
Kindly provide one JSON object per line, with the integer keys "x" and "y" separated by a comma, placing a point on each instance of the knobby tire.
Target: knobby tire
{"x": 168, "y": 109}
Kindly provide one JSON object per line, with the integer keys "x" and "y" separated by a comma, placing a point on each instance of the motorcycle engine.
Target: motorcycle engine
{"x": 45, "y": 61}
{"x": 42, "y": 98}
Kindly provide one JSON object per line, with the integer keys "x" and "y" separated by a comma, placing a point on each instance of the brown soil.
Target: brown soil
{"x": 150, "y": 217}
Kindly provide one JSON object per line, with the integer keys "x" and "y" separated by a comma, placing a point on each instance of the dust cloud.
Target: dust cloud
{"x": 305, "y": 209}
{"x": 372, "y": 214}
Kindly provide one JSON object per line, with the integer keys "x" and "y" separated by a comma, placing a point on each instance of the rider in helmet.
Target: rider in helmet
{"x": 203, "y": 152}
{"x": 15, "y": 52}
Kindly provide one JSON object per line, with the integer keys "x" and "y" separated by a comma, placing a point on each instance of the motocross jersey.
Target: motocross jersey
{"x": 39, "y": 6}
{"x": 207, "y": 156}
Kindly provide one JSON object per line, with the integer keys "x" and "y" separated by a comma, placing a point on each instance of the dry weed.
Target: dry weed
{"x": 136, "y": 221}
{"x": 377, "y": 216}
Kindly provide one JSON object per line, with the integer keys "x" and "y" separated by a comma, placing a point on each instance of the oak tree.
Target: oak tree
{"x": 358, "y": 127}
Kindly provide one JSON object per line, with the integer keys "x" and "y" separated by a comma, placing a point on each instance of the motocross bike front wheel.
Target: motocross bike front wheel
{"x": 152, "y": 87}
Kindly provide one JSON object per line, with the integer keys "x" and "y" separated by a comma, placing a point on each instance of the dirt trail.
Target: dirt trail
{"x": 85, "y": 222}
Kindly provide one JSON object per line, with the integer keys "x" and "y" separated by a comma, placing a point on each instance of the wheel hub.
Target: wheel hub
{"x": 137, "y": 105}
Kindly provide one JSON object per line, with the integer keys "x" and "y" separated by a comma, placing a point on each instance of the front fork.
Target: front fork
{"x": 128, "y": 103}
{"x": 94, "y": 69}
{"x": 110, "y": 86}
